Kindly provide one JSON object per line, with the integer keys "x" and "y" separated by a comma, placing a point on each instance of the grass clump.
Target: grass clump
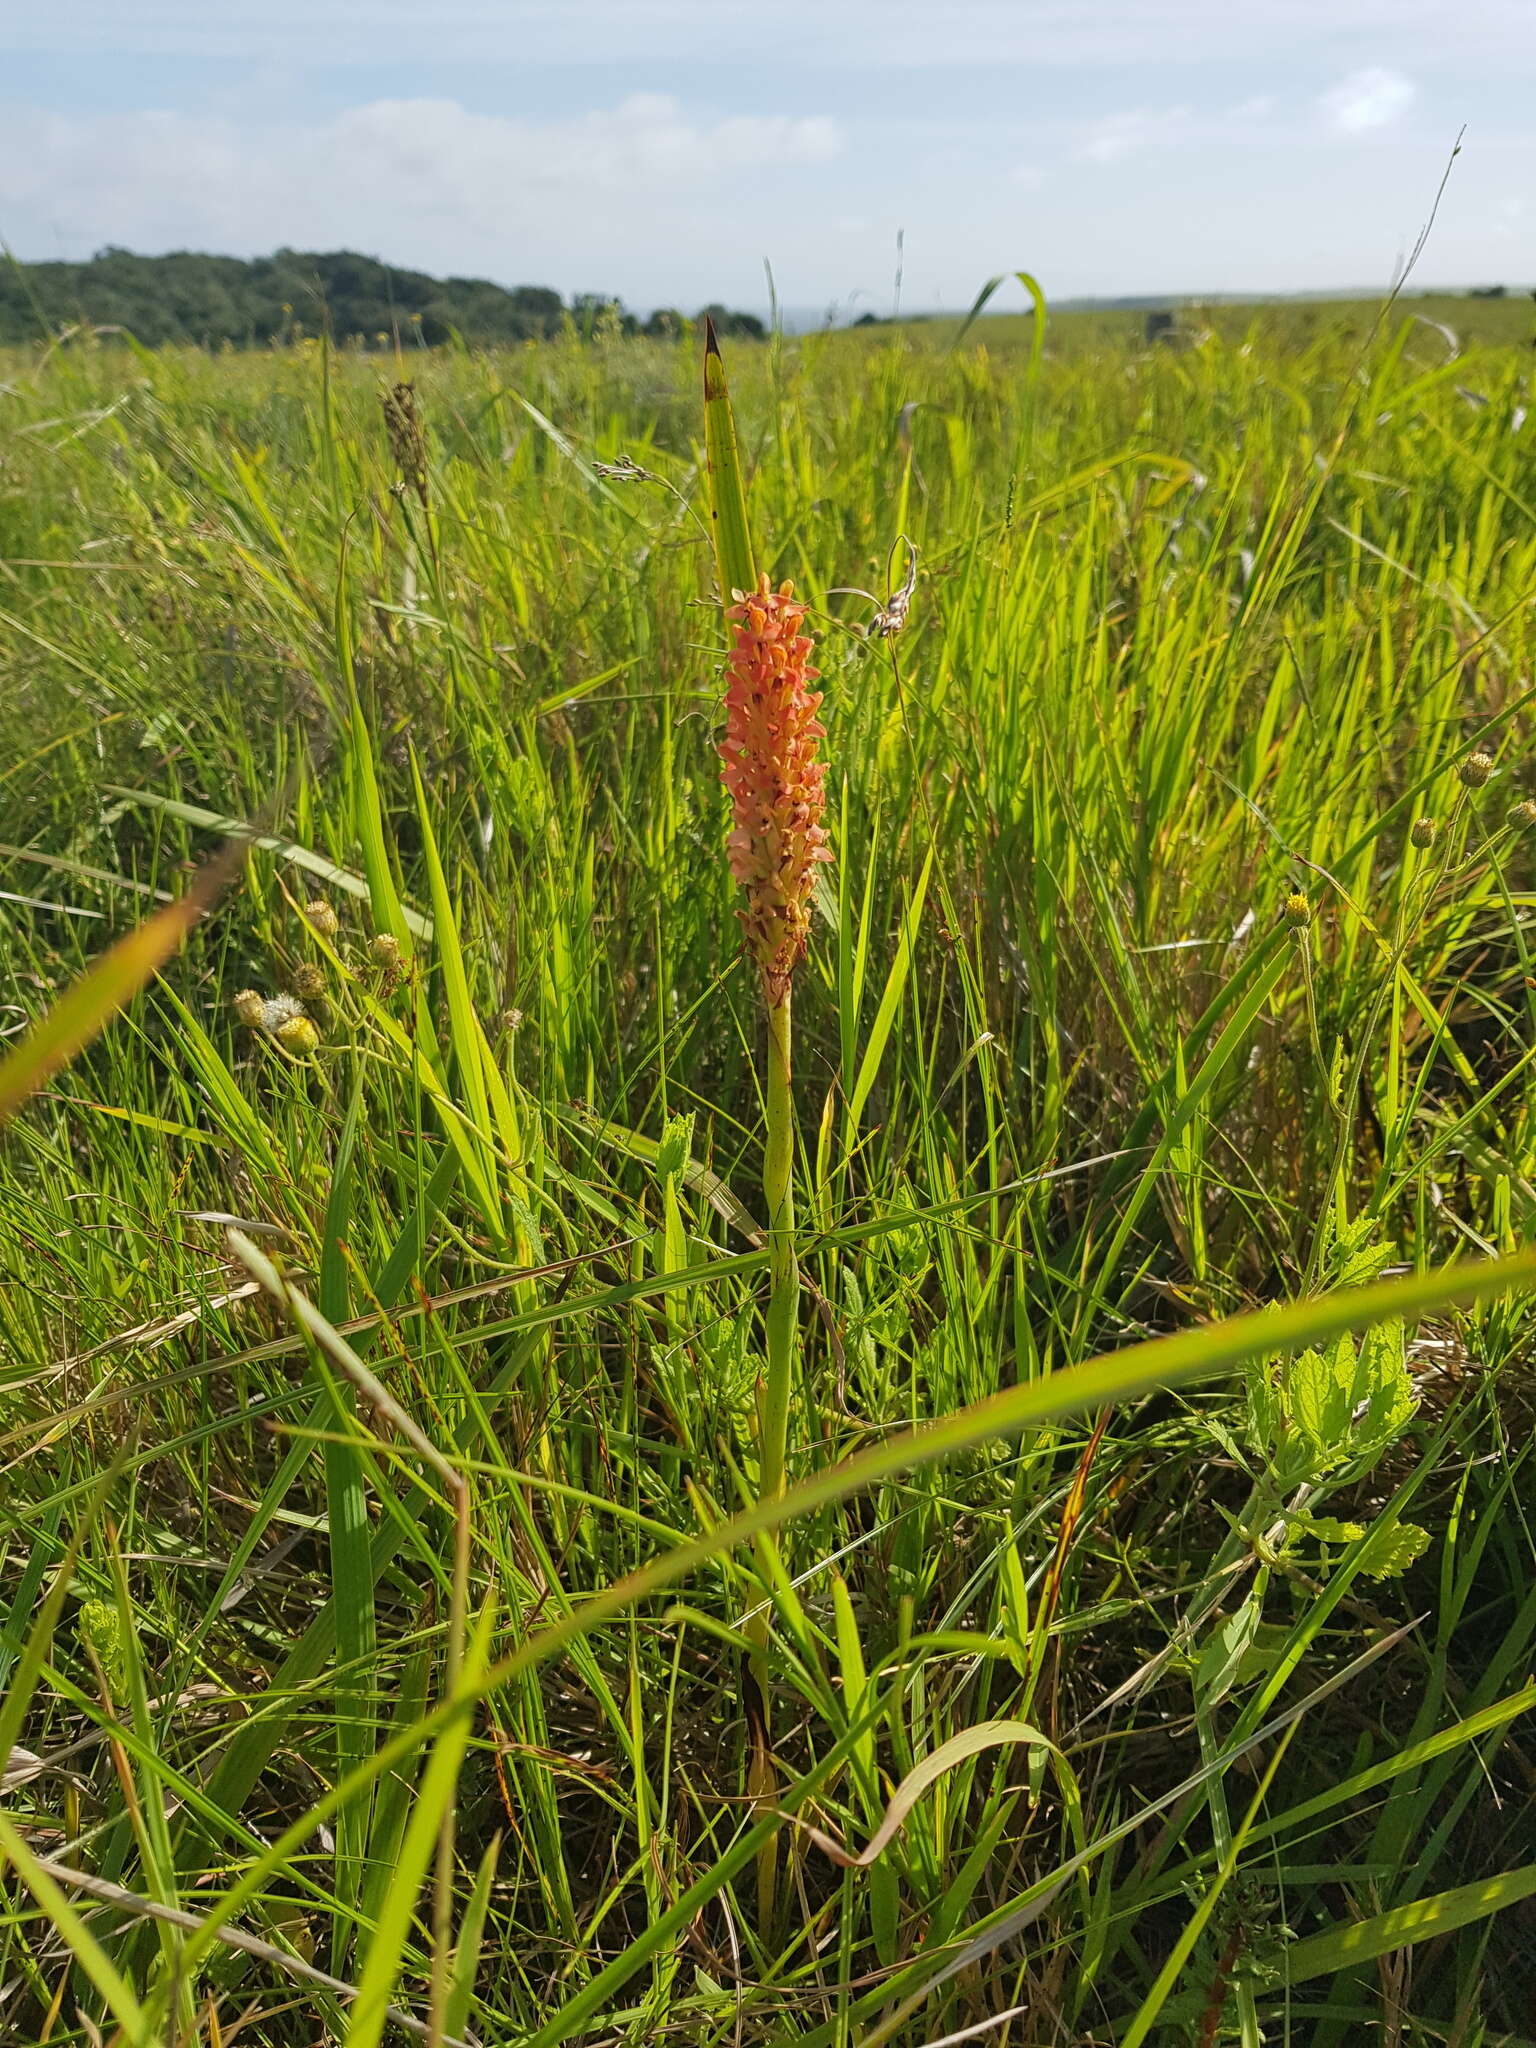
{"x": 390, "y": 1532}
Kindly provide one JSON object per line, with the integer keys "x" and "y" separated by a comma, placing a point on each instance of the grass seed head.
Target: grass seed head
{"x": 407, "y": 440}
{"x": 309, "y": 981}
{"x": 385, "y": 948}
{"x": 775, "y": 780}
{"x": 322, "y": 918}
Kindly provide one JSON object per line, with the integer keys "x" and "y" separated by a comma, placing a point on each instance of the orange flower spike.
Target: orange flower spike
{"x": 773, "y": 776}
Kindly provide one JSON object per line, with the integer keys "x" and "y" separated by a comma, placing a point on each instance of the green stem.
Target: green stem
{"x": 773, "y": 1410}
{"x": 783, "y": 1267}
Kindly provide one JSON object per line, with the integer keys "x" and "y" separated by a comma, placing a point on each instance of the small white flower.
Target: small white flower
{"x": 277, "y": 1011}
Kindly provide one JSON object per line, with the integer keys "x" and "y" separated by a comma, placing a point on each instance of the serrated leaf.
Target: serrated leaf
{"x": 1391, "y": 1548}
{"x": 1351, "y": 1400}
{"x": 1324, "y": 1529}
{"x": 1266, "y": 1410}
{"x": 1356, "y": 1259}
{"x": 1383, "y": 1386}
{"x": 1319, "y": 1381}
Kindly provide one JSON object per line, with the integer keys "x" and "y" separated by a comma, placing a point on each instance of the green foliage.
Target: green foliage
{"x": 1336, "y": 1410}
{"x": 207, "y": 300}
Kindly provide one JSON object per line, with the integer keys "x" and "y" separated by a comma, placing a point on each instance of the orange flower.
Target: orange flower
{"x": 774, "y": 778}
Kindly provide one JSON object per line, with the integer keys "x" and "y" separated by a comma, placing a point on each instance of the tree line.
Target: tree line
{"x": 217, "y": 300}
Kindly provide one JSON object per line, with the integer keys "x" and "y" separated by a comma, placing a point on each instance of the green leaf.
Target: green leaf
{"x": 1350, "y": 1401}
{"x": 351, "y": 1538}
{"x": 890, "y": 1000}
{"x": 1391, "y": 1548}
{"x": 958, "y": 1750}
{"x": 1420, "y": 1920}
{"x": 1319, "y": 1384}
{"x": 990, "y": 288}
{"x": 466, "y": 1953}
{"x": 676, "y": 1145}
{"x": 286, "y": 849}
{"x": 1324, "y": 1529}
{"x": 431, "y": 1807}
{"x": 1221, "y": 1660}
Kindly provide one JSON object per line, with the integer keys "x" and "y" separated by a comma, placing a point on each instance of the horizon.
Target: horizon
{"x": 1293, "y": 148}
{"x": 803, "y": 318}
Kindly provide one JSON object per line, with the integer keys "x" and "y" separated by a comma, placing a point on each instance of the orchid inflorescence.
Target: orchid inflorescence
{"x": 775, "y": 781}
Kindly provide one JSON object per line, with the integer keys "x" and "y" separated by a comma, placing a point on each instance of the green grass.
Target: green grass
{"x": 1197, "y": 1679}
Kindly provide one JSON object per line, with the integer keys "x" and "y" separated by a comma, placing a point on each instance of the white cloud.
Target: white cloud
{"x": 1117, "y": 136}
{"x": 1028, "y": 177}
{"x": 1373, "y": 98}
{"x": 421, "y": 180}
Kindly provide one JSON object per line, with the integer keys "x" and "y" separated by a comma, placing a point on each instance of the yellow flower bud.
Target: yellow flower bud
{"x": 1298, "y": 911}
{"x": 298, "y": 1035}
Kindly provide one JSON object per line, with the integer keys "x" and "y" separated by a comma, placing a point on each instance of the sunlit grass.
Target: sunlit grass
{"x": 1195, "y": 631}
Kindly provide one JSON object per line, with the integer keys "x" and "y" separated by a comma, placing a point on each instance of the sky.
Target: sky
{"x": 664, "y": 150}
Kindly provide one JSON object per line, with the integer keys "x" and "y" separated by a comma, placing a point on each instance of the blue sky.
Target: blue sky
{"x": 662, "y": 149}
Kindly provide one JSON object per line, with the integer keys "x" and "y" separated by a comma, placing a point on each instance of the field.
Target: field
{"x": 400, "y": 1633}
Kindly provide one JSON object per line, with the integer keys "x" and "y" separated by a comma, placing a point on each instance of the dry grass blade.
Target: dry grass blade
{"x": 93, "y": 1887}
{"x": 89, "y": 1004}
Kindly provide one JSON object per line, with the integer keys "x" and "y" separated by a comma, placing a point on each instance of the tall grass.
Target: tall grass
{"x": 379, "y": 1414}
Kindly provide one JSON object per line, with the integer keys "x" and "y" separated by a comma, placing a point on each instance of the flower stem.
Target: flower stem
{"x": 773, "y": 1409}
{"x": 783, "y": 1267}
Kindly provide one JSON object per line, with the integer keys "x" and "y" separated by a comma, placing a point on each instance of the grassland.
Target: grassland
{"x": 1175, "y": 962}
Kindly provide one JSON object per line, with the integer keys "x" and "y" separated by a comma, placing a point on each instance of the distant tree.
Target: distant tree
{"x": 868, "y": 320}
{"x": 596, "y": 316}
{"x": 741, "y": 326}
{"x": 1487, "y": 291}
{"x": 219, "y": 301}
{"x": 666, "y": 323}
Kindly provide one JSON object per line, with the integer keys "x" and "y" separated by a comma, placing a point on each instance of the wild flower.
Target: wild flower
{"x": 1298, "y": 910}
{"x": 267, "y": 1013}
{"x": 775, "y": 780}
